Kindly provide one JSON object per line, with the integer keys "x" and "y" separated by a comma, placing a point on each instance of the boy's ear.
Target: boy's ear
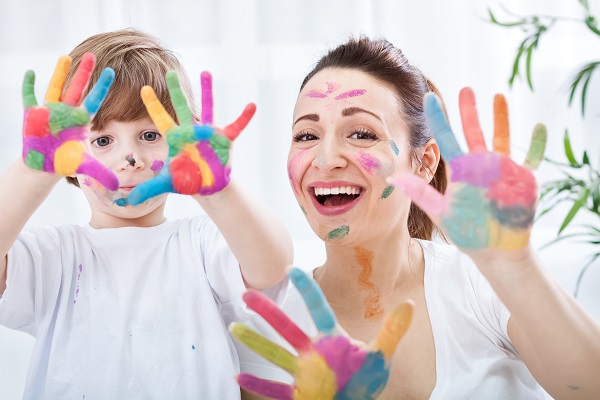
{"x": 429, "y": 161}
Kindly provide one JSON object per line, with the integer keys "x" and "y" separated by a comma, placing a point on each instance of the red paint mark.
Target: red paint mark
{"x": 37, "y": 123}
{"x": 516, "y": 186}
{"x": 186, "y": 175}
{"x": 373, "y": 309}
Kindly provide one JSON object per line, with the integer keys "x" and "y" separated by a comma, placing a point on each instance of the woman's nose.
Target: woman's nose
{"x": 329, "y": 156}
{"x": 131, "y": 161}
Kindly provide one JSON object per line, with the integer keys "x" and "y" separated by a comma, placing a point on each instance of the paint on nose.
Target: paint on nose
{"x": 129, "y": 158}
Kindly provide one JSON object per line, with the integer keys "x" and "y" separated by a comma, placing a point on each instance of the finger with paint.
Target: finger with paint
{"x": 490, "y": 201}
{"x": 54, "y": 134}
{"x": 198, "y": 152}
{"x": 329, "y": 366}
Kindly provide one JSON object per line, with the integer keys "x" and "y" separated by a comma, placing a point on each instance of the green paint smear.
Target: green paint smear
{"x": 179, "y": 138}
{"x": 221, "y": 145}
{"x": 63, "y": 116}
{"x": 303, "y": 210}
{"x": 339, "y": 233}
{"x": 394, "y": 147}
{"x": 35, "y": 160}
{"x": 28, "y": 92}
{"x": 387, "y": 191}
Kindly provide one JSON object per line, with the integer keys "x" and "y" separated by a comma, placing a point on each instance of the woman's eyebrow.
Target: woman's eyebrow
{"x": 346, "y": 112}
{"x": 310, "y": 117}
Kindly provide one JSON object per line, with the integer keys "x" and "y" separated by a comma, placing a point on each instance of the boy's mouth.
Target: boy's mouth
{"x": 126, "y": 188}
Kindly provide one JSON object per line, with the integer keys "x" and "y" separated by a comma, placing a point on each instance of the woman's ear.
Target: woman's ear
{"x": 429, "y": 161}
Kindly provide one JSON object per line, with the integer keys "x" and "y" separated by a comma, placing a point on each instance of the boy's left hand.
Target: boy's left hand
{"x": 198, "y": 152}
{"x": 490, "y": 201}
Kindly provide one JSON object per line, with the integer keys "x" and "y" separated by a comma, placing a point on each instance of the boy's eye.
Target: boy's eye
{"x": 150, "y": 136}
{"x": 363, "y": 134}
{"x": 102, "y": 141}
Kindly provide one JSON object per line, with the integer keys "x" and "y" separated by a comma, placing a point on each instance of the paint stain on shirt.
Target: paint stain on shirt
{"x": 77, "y": 285}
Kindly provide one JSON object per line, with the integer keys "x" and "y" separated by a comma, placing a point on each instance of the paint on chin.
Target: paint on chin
{"x": 373, "y": 308}
{"x": 368, "y": 162}
{"x": 339, "y": 233}
{"x": 122, "y": 202}
{"x": 157, "y": 166}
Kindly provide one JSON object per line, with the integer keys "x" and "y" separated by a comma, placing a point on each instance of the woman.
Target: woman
{"x": 488, "y": 321}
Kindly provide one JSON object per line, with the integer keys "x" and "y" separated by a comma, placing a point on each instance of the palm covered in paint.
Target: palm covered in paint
{"x": 198, "y": 153}
{"x": 490, "y": 201}
{"x": 330, "y": 366}
{"x": 54, "y": 134}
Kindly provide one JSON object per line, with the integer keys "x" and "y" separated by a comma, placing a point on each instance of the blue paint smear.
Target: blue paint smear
{"x": 193, "y": 347}
{"x": 122, "y": 202}
{"x": 315, "y": 300}
{"x": 369, "y": 381}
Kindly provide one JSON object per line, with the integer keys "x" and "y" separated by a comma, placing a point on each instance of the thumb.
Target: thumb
{"x": 393, "y": 329}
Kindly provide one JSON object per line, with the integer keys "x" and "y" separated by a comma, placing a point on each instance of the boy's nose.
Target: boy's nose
{"x": 132, "y": 161}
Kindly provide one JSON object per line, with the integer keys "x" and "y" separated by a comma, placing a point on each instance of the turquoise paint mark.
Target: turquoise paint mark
{"x": 122, "y": 202}
{"x": 369, "y": 381}
{"x": 315, "y": 300}
{"x": 394, "y": 147}
{"x": 387, "y": 191}
{"x": 468, "y": 226}
{"x": 193, "y": 347}
{"x": 339, "y": 233}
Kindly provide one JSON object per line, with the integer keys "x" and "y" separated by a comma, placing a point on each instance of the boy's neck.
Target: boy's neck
{"x": 103, "y": 220}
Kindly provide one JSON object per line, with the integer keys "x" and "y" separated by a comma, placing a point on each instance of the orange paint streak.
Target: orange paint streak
{"x": 373, "y": 308}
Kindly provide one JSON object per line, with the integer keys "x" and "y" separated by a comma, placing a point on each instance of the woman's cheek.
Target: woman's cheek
{"x": 297, "y": 165}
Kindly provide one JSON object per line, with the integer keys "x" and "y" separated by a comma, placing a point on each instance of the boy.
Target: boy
{"x": 131, "y": 305}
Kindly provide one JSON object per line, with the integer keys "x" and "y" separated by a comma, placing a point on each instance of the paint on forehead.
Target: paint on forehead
{"x": 318, "y": 94}
{"x": 339, "y": 233}
{"x": 351, "y": 93}
{"x": 394, "y": 147}
{"x": 157, "y": 165}
{"x": 368, "y": 162}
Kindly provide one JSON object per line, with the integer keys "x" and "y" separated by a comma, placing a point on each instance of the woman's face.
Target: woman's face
{"x": 348, "y": 137}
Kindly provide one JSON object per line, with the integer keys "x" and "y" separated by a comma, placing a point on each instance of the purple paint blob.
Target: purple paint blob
{"x": 77, "y": 287}
{"x": 343, "y": 357}
{"x": 351, "y": 93}
{"x": 478, "y": 169}
{"x": 316, "y": 94}
{"x": 368, "y": 162}
{"x": 332, "y": 87}
{"x": 220, "y": 174}
{"x": 157, "y": 165}
{"x": 48, "y": 144}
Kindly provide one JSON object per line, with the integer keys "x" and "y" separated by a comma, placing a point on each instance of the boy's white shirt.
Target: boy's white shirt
{"x": 136, "y": 313}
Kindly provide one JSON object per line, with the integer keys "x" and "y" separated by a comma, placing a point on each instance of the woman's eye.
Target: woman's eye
{"x": 363, "y": 134}
{"x": 150, "y": 136}
{"x": 102, "y": 141}
{"x": 304, "y": 137}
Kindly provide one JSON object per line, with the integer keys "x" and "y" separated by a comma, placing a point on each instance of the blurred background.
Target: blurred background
{"x": 260, "y": 50}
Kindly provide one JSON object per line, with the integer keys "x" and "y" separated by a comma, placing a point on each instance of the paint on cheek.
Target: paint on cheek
{"x": 394, "y": 147}
{"x": 339, "y": 233}
{"x": 368, "y": 162}
{"x": 122, "y": 202}
{"x": 373, "y": 308}
{"x": 303, "y": 210}
{"x": 294, "y": 165}
{"x": 387, "y": 191}
{"x": 351, "y": 93}
{"x": 157, "y": 166}
{"x": 77, "y": 286}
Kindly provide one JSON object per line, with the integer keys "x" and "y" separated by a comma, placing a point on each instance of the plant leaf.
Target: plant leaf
{"x": 576, "y": 207}
{"x": 528, "y": 65}
{"x": 568, "y": 151}
{"x": 515, "y": 70}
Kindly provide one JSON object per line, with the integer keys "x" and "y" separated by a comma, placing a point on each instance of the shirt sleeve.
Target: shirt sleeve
{"x": 32, "y": 271}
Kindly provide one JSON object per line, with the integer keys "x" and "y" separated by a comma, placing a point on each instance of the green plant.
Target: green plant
{"x": 582, "y": 193}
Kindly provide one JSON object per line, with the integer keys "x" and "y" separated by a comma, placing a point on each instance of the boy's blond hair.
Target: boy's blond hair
{"x": 138, "y": 59}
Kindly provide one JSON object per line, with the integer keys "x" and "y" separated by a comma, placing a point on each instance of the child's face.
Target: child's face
{"x": 135, "y": 152}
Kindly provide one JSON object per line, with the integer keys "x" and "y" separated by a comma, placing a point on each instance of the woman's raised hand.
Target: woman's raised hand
{"x": 330, "y": 366}
{"x": 198, "y": 152}
{"x": 490, "y": 201}
{"x": 54, "y": 134}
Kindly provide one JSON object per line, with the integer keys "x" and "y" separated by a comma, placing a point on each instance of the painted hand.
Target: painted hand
{"x": 198, "y": 153}
{"x": 331, "y": 366}
{"x": 54, "y": 135}
{"x": 490, "y": 201}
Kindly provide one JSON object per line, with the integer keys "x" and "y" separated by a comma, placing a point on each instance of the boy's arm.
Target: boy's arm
{"x": 257, "y": 238}
{"x": 22, "y": 190}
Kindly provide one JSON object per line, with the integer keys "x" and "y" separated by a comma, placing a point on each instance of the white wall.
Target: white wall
{"x": 259, "y": 50}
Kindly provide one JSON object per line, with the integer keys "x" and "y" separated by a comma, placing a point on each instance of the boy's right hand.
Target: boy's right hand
{"x": 54, "y": 134}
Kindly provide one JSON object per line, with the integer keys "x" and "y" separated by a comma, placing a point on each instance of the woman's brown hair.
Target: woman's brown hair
{"x": 383, "y": 61}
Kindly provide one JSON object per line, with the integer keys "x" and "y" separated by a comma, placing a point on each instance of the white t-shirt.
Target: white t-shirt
{"x": 127, "y": 313}
{"x": 475, "y": 359}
